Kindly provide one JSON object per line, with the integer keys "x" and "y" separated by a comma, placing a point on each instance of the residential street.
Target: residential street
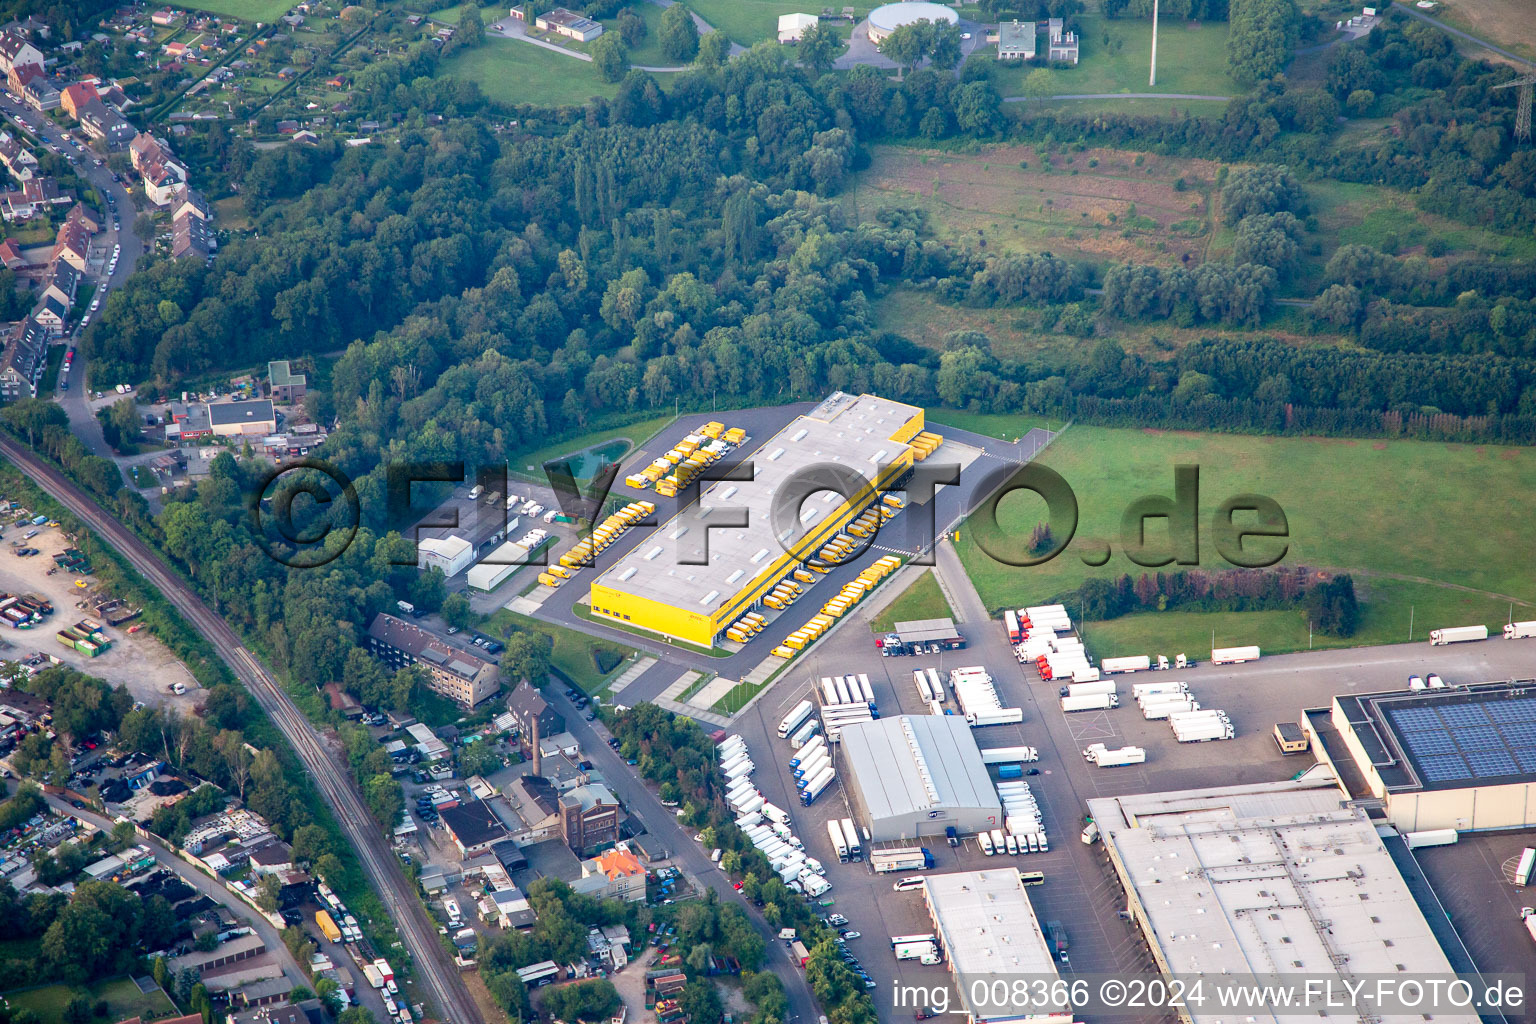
{"x": 82, "y": 422}
{"x": 663, "y": 824}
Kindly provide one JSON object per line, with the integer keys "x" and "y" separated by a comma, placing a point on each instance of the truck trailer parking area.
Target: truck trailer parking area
{"x": 1080, "y": 889}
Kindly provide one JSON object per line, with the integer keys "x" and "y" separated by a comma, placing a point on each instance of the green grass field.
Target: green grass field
{"x": 1447, "y": 525}
{"x": 264, "y": 11}
{"x": 636, "y": 431}
{"x": 1115, "y": 56}
{"x": 573, "y": 655}
{"x": 123, "y": 999}
{"x": 922, "y": 600}
{"x": 510, "y": 71}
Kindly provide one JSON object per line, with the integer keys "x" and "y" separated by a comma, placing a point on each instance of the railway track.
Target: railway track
{"x": 436, "y": 971}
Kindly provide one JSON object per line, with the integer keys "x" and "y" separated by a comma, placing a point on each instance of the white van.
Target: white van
{"x": 475, "y": 492}
{"x": 714, "y": 855}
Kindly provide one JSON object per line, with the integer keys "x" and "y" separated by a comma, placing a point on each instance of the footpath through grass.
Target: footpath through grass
{"x": 922, "y": 600}
{"x": 1447, "y": 527}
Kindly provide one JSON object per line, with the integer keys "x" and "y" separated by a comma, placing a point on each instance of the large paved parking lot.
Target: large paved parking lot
{"x": 1080, "y": 889}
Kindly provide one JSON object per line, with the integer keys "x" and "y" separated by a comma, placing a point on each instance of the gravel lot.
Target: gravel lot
{"x": 142, "y": 663}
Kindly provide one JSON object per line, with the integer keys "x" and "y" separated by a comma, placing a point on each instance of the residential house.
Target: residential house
{"x": 36, "y": 195}
{"x": 16, "y": 50}
{"x": 10, "y": 255}
{"x": 474, "y": 827}
{"x": 614, "y": 874}
{"x": 454, "y": 673}
{"x": 285, "y": 385}
{"x": 100, "y": 121}
{"x": 569, "y": 24}
{"x": 62, "y": 282}
{"x": 532, "y": 714}
{"x": 51, "y": 314}
{"x": 589, "y": 817}
{"x": 22, "y": 360}
{"x": 242, "y": 419}
{"x": 1061, "y": 45}
{"x": 74, "y": 97}
{"x": 18, "y": 160}
{"x": 190, "y": 201}
{"x": 1016, "y": 40}
{"x": 86, "y": 217}
{"x": 192, "y": 238}
{"x": 35, "y": 88}
{"x": 160, "y": 184}
{"x": 146, "y": 150}
{"x": 165, "y": 17}
{"x": 71, "y": 244}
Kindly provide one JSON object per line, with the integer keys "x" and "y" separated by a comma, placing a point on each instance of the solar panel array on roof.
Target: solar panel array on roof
{"x": 1470, "y": 741}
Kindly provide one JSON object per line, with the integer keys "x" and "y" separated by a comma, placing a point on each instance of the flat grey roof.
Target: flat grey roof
{"x": 1274, "y": 877}
{"x": 911, "y": 764}
{"x": 988, "y": 927}
{"x": 925, "y": 630}
{"x": 850, "y": 431}
{"x": 221, "y": 413}
{"x": 1015, "y": 35}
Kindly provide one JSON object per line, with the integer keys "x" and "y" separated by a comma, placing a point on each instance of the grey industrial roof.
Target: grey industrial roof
{"x": 852, "y": 432}
{"x": 223, "y": 413}
{"x": 924, "y": 630}
{"x": 1273, "y": 877}
{"x": 1016, "y": 35}
{"x": 914, "y": 763}
{"x": 988, "y": 928}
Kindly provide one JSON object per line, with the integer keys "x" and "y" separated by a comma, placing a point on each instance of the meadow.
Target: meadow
{"x": 1115, "y": 56}
{"x": 1438, "y": 533}
{"x": 1103, "y": 205}
{"x": 264, "y": 11}
{"x": 511, "y": 71}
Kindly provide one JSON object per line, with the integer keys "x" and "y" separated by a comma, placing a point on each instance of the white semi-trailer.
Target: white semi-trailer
{"x": 851, "y": 837}
{"x": 1156, "y": 711}
{"x": 1091, "y": 702}
{"x": 1009, "y": 755}
{"x": 1233, "y": 655}
{"x": 1140, "y": 690}
{"x": 835, "y": 833}
{"x": 1110, "y": 666}
{"x": 1089, "y": 689}
{"x": 1520, "y": 630}
{"x": 1457, "y": 635}
{"x": 793, "y": 720}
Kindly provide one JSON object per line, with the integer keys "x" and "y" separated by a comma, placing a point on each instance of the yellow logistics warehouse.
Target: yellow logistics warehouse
{"x": 653, "y": 588}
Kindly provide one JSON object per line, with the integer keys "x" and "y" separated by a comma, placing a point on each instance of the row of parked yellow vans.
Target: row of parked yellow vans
{"x": 833, "y": 610}
{"x": 870, "y": 519}
{"x": 606, "y": 532}
{"x": 677, "y": 468}
{"x": 746, "y": 627}
{"x": 924, "y": 445}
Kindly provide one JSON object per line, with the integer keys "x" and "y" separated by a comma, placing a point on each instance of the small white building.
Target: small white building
{"x": 494, "y": 569}
{"x": 793, "y": 26}
{"x": 450, "y": 554}
{"x": 569, "y": 24}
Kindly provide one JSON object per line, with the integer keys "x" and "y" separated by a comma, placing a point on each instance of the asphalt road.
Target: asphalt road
{"x": 1458, "y": 33}
{"x": 663, "y": 824}
{"x": 82, "y": 422}
{"x": 203, "y": 884}
{"x": 434, "y": 969}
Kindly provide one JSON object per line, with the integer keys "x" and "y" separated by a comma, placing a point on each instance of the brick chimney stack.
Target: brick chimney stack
{"x": 538, "y": 761}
